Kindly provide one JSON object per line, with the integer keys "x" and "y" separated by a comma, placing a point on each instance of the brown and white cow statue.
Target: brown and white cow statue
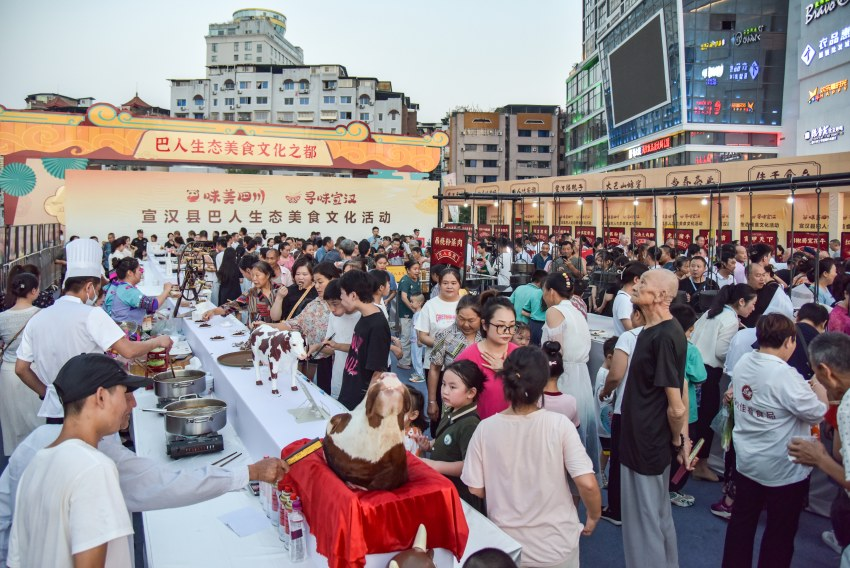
{"x": 416, "y": 557}
{"x": 280, "y": 350}
{"x": 365, "y": 447}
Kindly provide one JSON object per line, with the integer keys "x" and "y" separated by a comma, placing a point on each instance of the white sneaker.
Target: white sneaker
{"x": 828, "y": 538}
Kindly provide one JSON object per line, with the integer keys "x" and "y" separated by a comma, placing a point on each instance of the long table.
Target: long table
{"x": 258, "y": 425}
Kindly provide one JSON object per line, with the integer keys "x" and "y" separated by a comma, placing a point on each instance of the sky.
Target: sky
{"x": 442, "y": 54}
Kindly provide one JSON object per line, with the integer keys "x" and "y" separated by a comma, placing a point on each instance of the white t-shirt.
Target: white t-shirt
{"x": 844, "y": 431}
{"x": 625, "y": 343}
{"x": 436, "y": 315}
{"x": 539, "y": 515}
{"x": 622, "y": 310}
{"x": 55, "y": 334}
{"x": 119, "y": 254}
{"x": 742, "y": 343}
{"x": 604, "y": 408}
{"x": 69, "y": 501}
{"x": 342, "y": 330}
{"x": 773, "y": 403}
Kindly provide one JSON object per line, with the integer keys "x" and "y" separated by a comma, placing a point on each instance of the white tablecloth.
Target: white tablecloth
{"x": 601, "y": 323}
{"x": 193, "y": 536}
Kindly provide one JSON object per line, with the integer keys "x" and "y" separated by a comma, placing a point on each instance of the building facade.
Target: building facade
{"x": 255, "y": 75}
{"x": 513, "y": 142}
{"x": 721, "y": 93}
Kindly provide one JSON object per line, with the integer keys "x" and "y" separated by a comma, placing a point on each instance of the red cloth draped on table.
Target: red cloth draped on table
{"x": 349, "y": 524}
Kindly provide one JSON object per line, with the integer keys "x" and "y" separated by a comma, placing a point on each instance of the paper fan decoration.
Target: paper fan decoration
{"x": 17, "y": 179}
{"x": 57, "y": 166}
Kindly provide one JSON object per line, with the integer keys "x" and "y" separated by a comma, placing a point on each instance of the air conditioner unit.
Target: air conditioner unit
{"x": 551, "y": 134}
{"x": 215, "y": 92}
{"x": 231, "y": 107}
{"x": 280, "y": 88}
{"x": 500, "y": 133}
{"x": 534, "y": 149}
{"x": 238, "y": 106}
{"x": 182, "y": 108}
{"x": 501, "y": 149}
{"x": 371, "y": 103}
{"x": 239, "y": 91}
{"x": 362, "y": 106}
{"x": 201, "y": 107}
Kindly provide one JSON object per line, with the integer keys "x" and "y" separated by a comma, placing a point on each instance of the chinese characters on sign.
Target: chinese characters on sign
{"x": 712, "y": 44}
{"x": 683, "y": 237}
{"x": 743, "y": 106}
{"x": 755, "y": 237}
{"x": 845, "y": 245}
{"x": 448, "y": 246}
{"x": 613, "y": 235}
{"x": 749, "y": 35}
{"x": 501, "y": 230}
{"x": 641, "y": 236}
{"x": 694, "y": 177}
{"x": 559, "y": 230}
{"x": 708, "y": 107}
{"x": 484, "y": 231}
{"x": 836, "y": 42}
{"x": 559, "y": 186}
{"x": 823, "y": 134}
{"x": 827, "y": 91}
{"x": 589, "y": 232}
{"x": 649, "y": 147}
{"x": 541, "y": 232}
{"x": 725, "y": 236}
{"x": 624, "y": 182}
{"x": 817, "y": 241}
{"x": 742, "y": 71}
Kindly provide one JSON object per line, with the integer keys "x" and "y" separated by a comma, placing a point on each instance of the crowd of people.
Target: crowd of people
{"x": 746, "y": 344}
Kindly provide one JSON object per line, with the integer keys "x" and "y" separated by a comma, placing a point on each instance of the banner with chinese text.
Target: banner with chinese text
{"x": 502, "y": 230}
{"x": 817, "y": 241}
{"x": 448, "y": 246}
{"x": 641, "y": 236}
{"x": 559, "y": 230}
{"x": 766, "y": 237}
{"x": 613, "y": 235}
{"x": 100, "y": 202}
{"x": 541, "y": 232}
{"x": 845, "y": 245}
{"x": 484, "y": 231}
{"x": 586, "y": 231}
{"x": 684, "y": 237}
{"x": 725, "y": 236}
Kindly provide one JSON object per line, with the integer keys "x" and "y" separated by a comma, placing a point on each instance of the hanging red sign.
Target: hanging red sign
{"x": 725, "y": 236}
{"x": 501, "y": 230}
{"x": 448, "y": 246}
{"x": 460, "y": 226}
{"x": 684, "y": 237}
{"x": 766, "y": 237}
{"x": 641, "y": 236}
{"x": 845, "y": 245}
{"x": 612, "y": 235}
{"x": 818, "y": 241}
{"x": 541, "y": 232}
{"x": 484, "y": 231}
{"x": 586, "y": 231}
{"x": 559, "y": 230}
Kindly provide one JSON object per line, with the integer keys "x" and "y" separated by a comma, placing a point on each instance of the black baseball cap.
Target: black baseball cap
{"x": 83, "y": 374}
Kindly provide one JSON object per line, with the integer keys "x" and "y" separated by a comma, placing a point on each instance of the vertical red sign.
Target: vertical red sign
{"x": 448, "y": 246}
{"x": 818, "y": 241}
{"x": 484, "y": 231}
{"x": 641, "y": 236}
{"x": 845, "y": 245}
{"x": 725, "y": 236}
{"x": 766, "y": 237}
{"x": 612, "y": 235}
{"x": 501, "y": 231}
{"x": 684, "y": 237}
{"x": 586, "y": 231}
{"x": 559, "y": 230}
{"x": 541, "y": 232}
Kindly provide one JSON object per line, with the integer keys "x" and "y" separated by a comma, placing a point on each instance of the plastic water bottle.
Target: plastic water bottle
{"x": 296, "y": 506}
{"x": 265, "y": 487}
{"x": 297, "y": 544}
{"x": 282, "y": 507}
{"x": 274, "y": 505}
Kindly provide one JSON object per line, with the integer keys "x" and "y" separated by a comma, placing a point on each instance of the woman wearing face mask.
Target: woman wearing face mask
{"x": 124, "y": 301}
{"x": 291, "y": 301}
{"x": 258, "y": 300}
{"x": 498, "y": 323}
{"x": 312, "y": 323}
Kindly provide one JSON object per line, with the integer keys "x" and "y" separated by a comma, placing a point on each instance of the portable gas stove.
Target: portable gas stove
{"x": 181, "y": 446}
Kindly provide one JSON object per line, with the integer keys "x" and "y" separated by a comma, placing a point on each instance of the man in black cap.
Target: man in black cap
{"x": 70, "y": 507}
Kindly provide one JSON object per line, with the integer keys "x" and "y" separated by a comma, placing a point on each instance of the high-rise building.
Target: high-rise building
{"x": 668, "y": 82}
{"x": 254, "y": 74}
{"x": 512, "y": 142}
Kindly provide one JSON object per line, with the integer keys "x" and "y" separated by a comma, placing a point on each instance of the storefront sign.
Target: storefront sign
{"x": 712, "y": 44}
{"x": 612, "y": 235}
{"x": 725, "y": 236}
{"x": 585, "y": 231}
{"x": 743, "y": 71}
{"x": 749, "y": 35}
{"x": 649, "y": 147}
{"x": 708, "y": 107}
{"x": 448, "y": 246}
{"x": 827, "y": 91}
{"x": 684, "y": 237}
{"x": 641, "y": 236}
{"x": 466, "y": 227}
{"x": 821, "y": 8}
{"x": 484, "y": 231}
{"x": 501, "y": 230}
{"x": 836, "y": 42}
{"x": 559, "y": 230}
{"x": 845, "y": 245}
{"x": 541, "y": 232}
{"x": 713, "y": 72}
{"x": 743, "y": 107}
{"x": 824, "y": 134}
{"x": 755, "y": 237}
{"x": 817, "y": 241}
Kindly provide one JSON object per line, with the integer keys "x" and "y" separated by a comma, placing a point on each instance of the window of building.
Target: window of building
{"x": 303, "y": 100}
{"x": 364, "y": 99}
{"x": 248, "y": 46}
{"x": 329, "y": 85}
{"x": 470, "y": 179}
{"x": 228, "y": 85}
{"x": 329, "y": 100}
{"x": 289, "y": 101}
{"x": 345, "y": 116}
{"x": 305, "y": 117}
{"x": 248, "y": 57}
{"x": 259, "y": 59}
{"x": 215, "y": 86}
{"x": 261, "y": 116}
{"x": 181, "y": 102}
{"x": 524, "y": 149}
{"x": 491, "y": 179}
{"x": 215, "y": 102}
{"x": 364, "y": 116}
{"x": 491, "y": 164}
{"x": 229, "y": 116}
{"x": 243, "y": 116}
{"x": 229, "y": 101}
{"x": 380, "y": 116}
{"x": 262, "y": 100}
{"x": 289, "y": 85}
{"x": 470, "y": 163}
{"x": 470, "y": 147}
{"x": 525, "y": 133}
{"x": 235, "y": 58}
{"x": 259, "y": 49}
{"x": 198, "y": 116}
{"x": 244, "y": 84}
{"x": 491, "y": 148}
{"x": 481, "y": 121}
{"x": 543, "y": 134}
{"x": 345, "y": 100}
{"x": 262, "y": 84}
{"x": 236, "y": 46}
{"x": 214, "y": 58}
{"x": 286, "y": 117}
{"x": 244, "y": 100}
{"x": 198, "y": 100}
{"x": 214, "y": 47}
{"x": 544, "y": 149}
{"x": 304, "y": 85}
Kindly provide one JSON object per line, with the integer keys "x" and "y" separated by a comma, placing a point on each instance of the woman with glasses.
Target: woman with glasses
{"x": 498, "y": 323}
{"x": 566, "y": 325}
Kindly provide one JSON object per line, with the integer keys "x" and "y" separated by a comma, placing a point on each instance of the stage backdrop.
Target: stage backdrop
{"x": 100, "y": 202}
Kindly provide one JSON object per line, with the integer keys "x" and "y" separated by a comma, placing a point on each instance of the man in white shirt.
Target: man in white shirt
{"x": 70, "y": 508}
{"x": 72, "y": 326}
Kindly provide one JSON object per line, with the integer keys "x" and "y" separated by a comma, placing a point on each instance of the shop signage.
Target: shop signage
{"x": 448, "y": 246}
{"x": 817, "y": 241}
{"x": 649, "y": 147}
{"x": 484, "y": 231}
{"x": 641, "y": 236}
{"x": 821, "y": 8}
{"x": 824, "y": 134}
{"x": 808, "y": 54}
{"x": 714, "y": 71}
{"x": 725, "y": 236}
{"x": 589, "y": 232}
{"x": 742, "y": 71}
{"x": 712, "y": 44}
{"x": 684, "y": 237}
{"x": 708, "y": 107}
{"x": 845, "y": 245}
{"x": 755, "y": 237}
{"x": 541, "y": 232}
{"x": 827, "y": 91}
{"x": 613, "y": 235}
{"x": 501, "y": 230}
{"x": 743, "y": 106}
{"x": 559, "y": 230}
{"x": 749, "y": 35}
{"x": 836, "y": 42}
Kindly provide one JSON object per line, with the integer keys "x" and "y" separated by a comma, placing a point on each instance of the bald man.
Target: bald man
{"x": 654, "y": 425}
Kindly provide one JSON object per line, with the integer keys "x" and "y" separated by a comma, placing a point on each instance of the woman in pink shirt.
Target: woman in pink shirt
{"x": 839, "y": 317}
{"x": 498, "y": 323}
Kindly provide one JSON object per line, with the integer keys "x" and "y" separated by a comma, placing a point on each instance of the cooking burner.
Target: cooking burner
{"x": 181, "y": 446}
{"x": 163, "y": 402}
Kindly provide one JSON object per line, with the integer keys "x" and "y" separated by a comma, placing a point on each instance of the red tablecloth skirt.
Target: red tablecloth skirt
{"x": 349, "y": 524}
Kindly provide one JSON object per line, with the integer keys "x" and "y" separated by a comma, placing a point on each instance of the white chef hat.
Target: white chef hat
{"x": 84, "y": 258}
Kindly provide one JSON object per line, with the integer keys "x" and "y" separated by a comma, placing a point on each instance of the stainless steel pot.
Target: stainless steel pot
{"x": 182, "y": 383}
{"x": 195, "y": 416}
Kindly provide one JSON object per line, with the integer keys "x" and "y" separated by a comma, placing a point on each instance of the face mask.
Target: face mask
{"x": 90, "y": 301}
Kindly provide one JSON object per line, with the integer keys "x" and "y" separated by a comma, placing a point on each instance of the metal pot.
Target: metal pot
{"x": 209, "y": 415}
{"x": 182, "y": 383}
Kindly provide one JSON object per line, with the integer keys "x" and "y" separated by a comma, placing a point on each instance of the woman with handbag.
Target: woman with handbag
{"x": 18, "y": 403}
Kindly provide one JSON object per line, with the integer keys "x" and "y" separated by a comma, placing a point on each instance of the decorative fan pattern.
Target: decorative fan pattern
{"x": 57, "y": 166}
{"x": 17, "y": 179}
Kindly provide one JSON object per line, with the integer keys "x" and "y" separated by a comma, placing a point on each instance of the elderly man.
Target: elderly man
{"x": 655, "y": 426}
{"x": 769, "y": 295}
{"x": 740, "y": 264}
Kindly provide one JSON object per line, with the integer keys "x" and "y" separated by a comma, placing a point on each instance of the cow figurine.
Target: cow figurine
{"x": 416, "y": 557}
{"x": 365, "y": 447}
{"x": 280, "y": 350}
